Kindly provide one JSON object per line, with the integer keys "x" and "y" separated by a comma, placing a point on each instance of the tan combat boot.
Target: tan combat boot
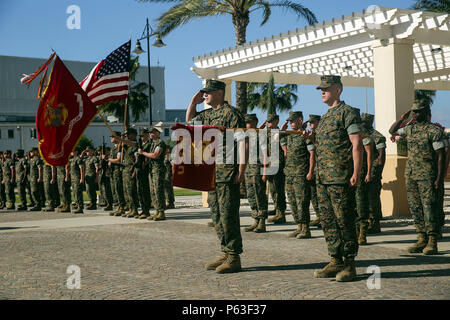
{"x": 261, "y": 226}
{"x": 153, "y": 216}
{"x": 119, "y": 212}
{"x": 108, "y": 207}
{"x": 275, "y": 217}
{"x": 349, "y": 271}
{"x": 295, "y": 233}
{"x": 232, "y": 264}
{"x": 252, "y": 227}
{"x": 160, "y": 216}
{"x": 133, "y": 213}
{"x": 330, "y": 270}
{"x": 374, "y": 226}
{"x": 214, "y": 264}
{"x": 210, "y": 224}
{"x": 143, "y": 215}
{"x": 362, "y": 236}
{"x": 315, "y": 223}
{"x": 78, "y": 209}
{"x": 65, "y": 208}
{"x": 305, "y": 233}
{"x": 420, "y": 244}
{"x": 281, "y": 217}
{"x": 431, "y": 247}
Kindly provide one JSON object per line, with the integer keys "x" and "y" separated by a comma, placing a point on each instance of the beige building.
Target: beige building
{"x": 394, "y": 51}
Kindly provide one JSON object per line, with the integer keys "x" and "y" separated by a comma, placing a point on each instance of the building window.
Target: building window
{"x": 166, "y": 132}
{"x": 0, "y": 134}
{"x": 10, "y": 133}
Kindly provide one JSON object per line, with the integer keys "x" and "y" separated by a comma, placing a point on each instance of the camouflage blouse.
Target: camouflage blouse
{"x": 333, "y": 145}
{"x": 230, "y": 117}
{"x": 297, "y": 154}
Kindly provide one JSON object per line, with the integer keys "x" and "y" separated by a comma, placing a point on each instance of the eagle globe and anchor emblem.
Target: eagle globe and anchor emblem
{"x": 55, "y": 116}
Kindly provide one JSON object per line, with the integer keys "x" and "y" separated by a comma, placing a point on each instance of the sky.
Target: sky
{"x": 30, "y": 28}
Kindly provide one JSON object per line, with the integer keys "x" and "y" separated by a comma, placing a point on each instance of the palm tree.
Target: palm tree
{"x": 443, "y": 6}
{"x": 185, "y": 11}
{"x": 137, "y": 98}
{"x": 271, "y": 98}
{"x": 432, "y": 5}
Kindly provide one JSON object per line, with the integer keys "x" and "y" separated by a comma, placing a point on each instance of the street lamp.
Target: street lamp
{"x": 146, "y": 34}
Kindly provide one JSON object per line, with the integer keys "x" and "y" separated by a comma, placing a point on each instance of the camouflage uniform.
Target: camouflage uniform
{"x": 2, "y": 186}
{"x": 129, "y": 181}
{"x": 298, "y": 189}
{"x": 421, "y": 173}
{"x": 50, "y": 189}
{"x": 64, "y": 188}
{"x": 76, "y": 164}
{"x": 374, "y": 186}
{"x": 104, "y": 183}
{"x": 91, "y": 163}
{"x": 116, "y": 170}
{"x": 28, "y": 179}
{"x": 312, "y": 182}
{"x": 8, "y": 164}
{"x": 224, "y": 201}
{"x": 36, "y": 187}
{"x": 157, "y": 175}
{"x": 21, "y": 181}
{"x": 256, "y": 188}
{"x": 333, "y": 172}
{"x": 168, "y": 187}
{"x": 142, "y": 172}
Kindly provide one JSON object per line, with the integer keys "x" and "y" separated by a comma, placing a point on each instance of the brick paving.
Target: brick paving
{"x": 131, "y": 259}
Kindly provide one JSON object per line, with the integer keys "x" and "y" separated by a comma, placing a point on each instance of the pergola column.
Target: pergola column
{"x": 394, "y": 95}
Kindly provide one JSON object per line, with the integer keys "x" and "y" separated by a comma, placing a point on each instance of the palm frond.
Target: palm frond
{"x": 432, "y": 5}
{"x": 301, "y": 11}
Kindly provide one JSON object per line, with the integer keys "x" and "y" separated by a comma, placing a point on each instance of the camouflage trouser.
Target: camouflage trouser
{"x": 36, "y": 192}
{"x": 118, "y": 187}
{"x": 159, "y": 199}
{"x": 143, "y": 189}
{"x": 64, "y": 190}
{"x": 423, "y": 205}
{"x": 9, "y": 191}
{"x": 105, "y": 187}
{"x": 440, "y": 201}
{"x": 277, "y": 190}
{"x": 28, "y": 188}
{"x": 2, "y": 193}
{"x": 77, "y": 190}
{"x": 256, "y": 195}
{"x": 337, "y": 217}
{"x": 113, "y": 189}
{"x": 362, "y": 203}
{"x": 314, "y": 201}
{"x": 224, "y": 204}
{"x": 91, "y": 189}
{"x": 130, "y": 186}
{"x": 374, "y": 192}
{"x": 299, "y": 196}
{"x": 168, "y": 188}
{"x": 22, "y": 191}
{"x": 152, "y": 192}
{"x": 51, "y": 193}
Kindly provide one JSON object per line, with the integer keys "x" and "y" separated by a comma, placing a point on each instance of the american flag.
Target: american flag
{"x": 109, "y": 79}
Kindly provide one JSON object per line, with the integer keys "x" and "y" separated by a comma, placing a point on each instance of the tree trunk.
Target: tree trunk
{"x": 240, "y": 22}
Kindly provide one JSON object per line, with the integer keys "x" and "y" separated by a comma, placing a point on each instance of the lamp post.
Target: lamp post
{"x": 146, "y": 34}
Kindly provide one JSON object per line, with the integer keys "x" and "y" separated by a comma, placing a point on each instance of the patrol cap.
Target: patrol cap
{"x": 418, "y": 106}
{"x": 251, "y": 117}
{"x": 131, "y": 130}
{"x": 328, "y": 81}
{"x": 89, "y": 148}
{"x": 213, "y": 85}
{"x": 314, "y": 117}
{"x": 144, "y": 131}
{"x": 154, "y": 128}
{"x": 294, "y": 115}
{"x": 367, "y": 117}
{"x": 117, "y": 133}
{"x": 272, "y": 117}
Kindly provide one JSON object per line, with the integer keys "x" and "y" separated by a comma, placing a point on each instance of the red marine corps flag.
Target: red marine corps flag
{"x": 64, "y": 113}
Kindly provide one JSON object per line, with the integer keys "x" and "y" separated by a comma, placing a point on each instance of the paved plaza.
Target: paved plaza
{"x": 122, "y": 258}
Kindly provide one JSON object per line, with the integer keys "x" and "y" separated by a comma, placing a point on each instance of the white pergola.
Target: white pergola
{"x": 341, "y": 46}
{"x": 395, "y": 51}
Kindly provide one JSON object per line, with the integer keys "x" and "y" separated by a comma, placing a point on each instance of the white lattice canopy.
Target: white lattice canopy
{"x": 342, "y": 47}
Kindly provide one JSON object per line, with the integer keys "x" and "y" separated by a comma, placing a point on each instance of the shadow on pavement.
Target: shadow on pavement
{"x": 13, "y": 228}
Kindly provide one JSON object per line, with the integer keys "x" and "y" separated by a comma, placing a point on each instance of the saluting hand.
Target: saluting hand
{"x": 198, "y": 98}
{"x": 284, "y": 126}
